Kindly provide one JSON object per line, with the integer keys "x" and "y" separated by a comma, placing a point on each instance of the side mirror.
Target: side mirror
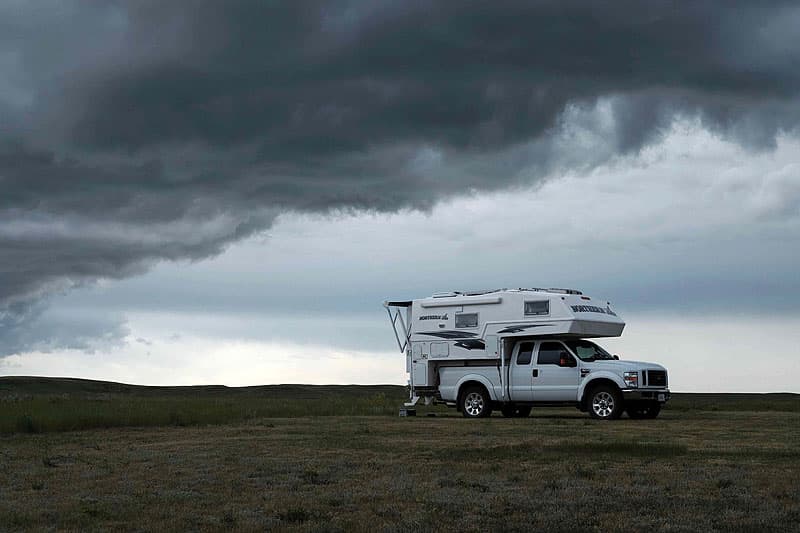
{"x": 616, "y": 357}
{"x": 566, "y": 360}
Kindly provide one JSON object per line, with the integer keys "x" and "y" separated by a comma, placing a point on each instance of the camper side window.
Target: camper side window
{"x": 466, "y": 320}
{"x": 541, "y": 307}
{"x": 525, "y": 352}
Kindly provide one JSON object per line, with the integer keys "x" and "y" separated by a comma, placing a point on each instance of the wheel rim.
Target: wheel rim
{"x": 473, "y": 404}
{"x": 603, "y": 404}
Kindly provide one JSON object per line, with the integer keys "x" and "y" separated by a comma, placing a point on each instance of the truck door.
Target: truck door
{"x": 521, "y": 374}
{"x": 556, "y": 374}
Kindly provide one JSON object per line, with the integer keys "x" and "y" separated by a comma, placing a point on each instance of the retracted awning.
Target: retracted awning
{"x": 404, "y": 303}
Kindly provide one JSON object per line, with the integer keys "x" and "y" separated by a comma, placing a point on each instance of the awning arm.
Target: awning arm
{"x": 396, "y": 320}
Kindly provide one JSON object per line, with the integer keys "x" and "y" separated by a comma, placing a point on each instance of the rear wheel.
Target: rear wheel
{"x": 475, "y": 403}
{"x": 605, "y": 403}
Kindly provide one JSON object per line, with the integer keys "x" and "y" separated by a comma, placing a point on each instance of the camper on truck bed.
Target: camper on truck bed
{"x": 514, "y": 349}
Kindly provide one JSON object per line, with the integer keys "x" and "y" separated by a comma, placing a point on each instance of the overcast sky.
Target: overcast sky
{"x": 226, "y": 194}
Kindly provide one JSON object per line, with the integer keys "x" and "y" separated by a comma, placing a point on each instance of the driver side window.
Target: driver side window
{"x": 552, "y": 353}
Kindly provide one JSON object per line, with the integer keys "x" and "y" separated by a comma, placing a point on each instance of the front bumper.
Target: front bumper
{"x": 659, "y": 395}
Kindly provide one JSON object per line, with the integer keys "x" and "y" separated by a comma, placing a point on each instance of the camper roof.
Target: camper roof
{"x": 453, "y": 294}
{"x": 450, "y": 294}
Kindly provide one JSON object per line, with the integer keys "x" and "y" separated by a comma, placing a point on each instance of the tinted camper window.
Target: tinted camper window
{"x": 466, "y": 320}
{"x": 541, "y": 307}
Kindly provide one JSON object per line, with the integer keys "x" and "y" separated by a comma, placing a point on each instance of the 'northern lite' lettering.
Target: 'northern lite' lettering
{"x": 593, "y": 309}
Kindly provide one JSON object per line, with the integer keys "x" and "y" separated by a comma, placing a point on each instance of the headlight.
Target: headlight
{"x": 631, "y": 379}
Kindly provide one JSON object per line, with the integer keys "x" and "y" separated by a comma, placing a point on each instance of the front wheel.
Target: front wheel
{"x": 475, "y": 403}
{"x": 605, "y": 403}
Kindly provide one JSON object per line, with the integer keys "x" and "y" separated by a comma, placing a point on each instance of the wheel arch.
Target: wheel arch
{"x": 474, "y": 380}
{"x": 605, "y": 379}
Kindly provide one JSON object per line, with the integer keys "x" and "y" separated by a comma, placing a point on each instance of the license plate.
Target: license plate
{"x": 661, "y": 398}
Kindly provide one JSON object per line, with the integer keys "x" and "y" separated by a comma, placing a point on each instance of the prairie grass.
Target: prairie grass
{"x": 93, "y": 456}
{"x": 43, "y": 405}
{"x": 380, "y": 473}
{"x": 41, "y": 414}
{"x": 40, "y": 405}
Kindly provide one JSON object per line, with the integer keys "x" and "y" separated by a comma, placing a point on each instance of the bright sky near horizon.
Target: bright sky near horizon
{"x": 177, "y": 208}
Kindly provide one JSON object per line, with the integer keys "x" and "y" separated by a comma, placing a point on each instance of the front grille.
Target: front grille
{"x": 655, "y": 378}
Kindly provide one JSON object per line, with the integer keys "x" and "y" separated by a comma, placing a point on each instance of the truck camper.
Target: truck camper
{"x": 514, "y": 349}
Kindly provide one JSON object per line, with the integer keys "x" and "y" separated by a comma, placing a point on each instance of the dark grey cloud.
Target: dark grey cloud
{"x": 134, "y": 132}
{"x": 33, "y": 326}
{"x": 317, "y": 79}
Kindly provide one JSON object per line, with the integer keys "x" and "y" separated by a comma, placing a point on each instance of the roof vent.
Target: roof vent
{"x": 565, "y": 291}
{"x": 482, "y": 291}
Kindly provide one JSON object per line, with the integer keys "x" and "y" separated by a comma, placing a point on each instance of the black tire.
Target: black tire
{"x": 605, "y": 403}
{"x": 643, "y": 411}
{"x": 475, "y": 403}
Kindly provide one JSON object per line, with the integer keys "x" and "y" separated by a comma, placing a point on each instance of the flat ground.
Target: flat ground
{"x": 697, "y": 467}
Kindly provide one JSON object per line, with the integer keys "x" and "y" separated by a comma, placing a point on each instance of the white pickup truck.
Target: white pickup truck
{"x": 552, "y": 372}
{"x": 515, "y": 349}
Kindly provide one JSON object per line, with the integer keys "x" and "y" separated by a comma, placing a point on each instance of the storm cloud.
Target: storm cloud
{"x": 136, "y": 132}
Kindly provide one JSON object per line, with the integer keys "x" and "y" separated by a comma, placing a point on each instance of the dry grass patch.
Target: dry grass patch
{"x": 423, "y": 474}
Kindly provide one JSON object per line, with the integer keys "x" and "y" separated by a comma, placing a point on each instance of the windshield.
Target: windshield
{"x": 588, "y": 351}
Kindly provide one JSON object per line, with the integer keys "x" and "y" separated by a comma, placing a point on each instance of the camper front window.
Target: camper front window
{"x": 541, "y": 307}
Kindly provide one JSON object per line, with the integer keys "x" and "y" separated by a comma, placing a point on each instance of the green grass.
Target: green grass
{"x": 620, "y": 448}
{"x": 42, "y": 405}
{"x": 36, "y": 405}
{"x": 686, "y": 471}
{"x": 42, "y": 414}
{"x": 781, "y": 401}
{"x": 80, "y": 455}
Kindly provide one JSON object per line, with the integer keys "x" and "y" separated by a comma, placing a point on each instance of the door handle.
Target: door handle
{"x": 536, "y": 372}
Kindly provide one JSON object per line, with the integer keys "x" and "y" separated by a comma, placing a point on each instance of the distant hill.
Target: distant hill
{"x": 28, "y": 385}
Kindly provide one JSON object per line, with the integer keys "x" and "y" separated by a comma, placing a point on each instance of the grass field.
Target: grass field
{"x": 37, "y": 405}
{"x": 258, "y": 461}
